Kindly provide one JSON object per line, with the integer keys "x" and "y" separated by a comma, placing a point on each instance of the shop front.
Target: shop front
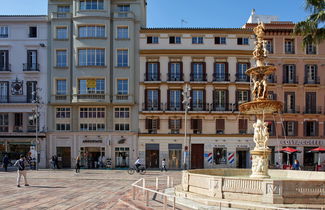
{"x": 174, "y": 156}
{"x": 152, "y": 155}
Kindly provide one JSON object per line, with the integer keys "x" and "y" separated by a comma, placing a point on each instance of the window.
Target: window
{"x": 174, "y": 100}
{"x": 311, "y": 74}
{"x": 220, "y": 100}
{"x": 4, "y": 123}
{"x": 198, "y": 72}
{"x": 242, "y": 41}
{"x": 152, "y": 125}
{"x": 122, "y": 87}
{"x": 175, "y": 71}
{"x": 61, "y": 58}
{"x": 269, "y": 45}
{"x": 242, "y": 96}
{"x": 91, "y": 4}
{"x": 197, "y": 40}
{"x": 220, "y": 155}
{"x": 63, "y": 112}
{"x": 62, "y": 33}
{"x": 152, "y": 99}
{"x": 220, "y": 72}
{"x": 311, "y": 107}
{"x": 289, "y": 74}
{"x": 310, "y": 128}
{"x": 91, "y": 57}
{"x": 64, "y": 8}
{"x": 289, "y": 102}
{"x": 31, "y": 90}
{"x": 198, "y": 98}
{"x": 241, "y": 75}
{"x": 122, "y": 126}
{"x": 31, "y": 124}
{"x": 61, "y": 87}
{"x": 271, "y": 127}
{"x": 32, "y": 32}
{"x": 289, "y": 47}
{"x": 91, "y": 86}
{"x": 122, "y": 32}
{"x": 92, "y": 112}
{"x": 123, "y": 8}
{"x": 290, "y": 128}
{"x": 152, "y": 40}
{"x": 122, "y": 58}
{"x": 62, "y": 127}
{"x": 219, "y": 40}
{"x": 4, "y": 32}
{"x": 196, "y": 126}
{"x": 4, "y": 60}
{"x": 32, "y": 64}
{"x": 122, "y": 112}
{"x": 175, "y": 40}
{"x": 91, "y": 31}
{"x": 92, "y": 126}
{"x": 311, "y": 49}
{"x": 152, "y": 73}
{"x": 220, "y": 126}
{"x": 18, "y": 122}
{"x": 4, "y": 91}
{"x": 175, "y": 125}
{"x": 242, "y": 126}
{"x": 122, "y": 117}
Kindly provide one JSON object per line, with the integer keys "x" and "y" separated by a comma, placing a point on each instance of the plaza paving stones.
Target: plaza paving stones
{"x": 63, "y": 189}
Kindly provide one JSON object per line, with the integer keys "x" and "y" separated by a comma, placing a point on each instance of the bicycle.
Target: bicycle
{"x": 141, "y": 170}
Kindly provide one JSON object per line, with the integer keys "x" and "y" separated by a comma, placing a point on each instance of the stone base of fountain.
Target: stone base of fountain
{"x": 260, "y": 163}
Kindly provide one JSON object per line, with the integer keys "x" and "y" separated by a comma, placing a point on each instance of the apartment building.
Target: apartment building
{"x": 93, "y": 80}
{"x": 23, "y": 85}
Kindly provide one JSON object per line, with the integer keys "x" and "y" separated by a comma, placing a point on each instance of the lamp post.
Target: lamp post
{"x": 36, "y": 101}
{"x": 186, "y": 102}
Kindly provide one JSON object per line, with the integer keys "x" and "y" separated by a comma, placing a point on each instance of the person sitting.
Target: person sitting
{"x": 296, "y": 165}
{"x": 137, "y": 164}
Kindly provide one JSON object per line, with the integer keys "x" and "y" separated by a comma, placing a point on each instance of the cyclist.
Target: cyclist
{"x": 137, "y": 164}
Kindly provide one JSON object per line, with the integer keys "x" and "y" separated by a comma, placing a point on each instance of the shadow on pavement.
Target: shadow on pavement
{"x": 45, "y": 187}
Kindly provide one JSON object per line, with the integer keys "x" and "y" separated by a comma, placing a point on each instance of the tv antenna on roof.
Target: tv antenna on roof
{"x": 183, "y": 22}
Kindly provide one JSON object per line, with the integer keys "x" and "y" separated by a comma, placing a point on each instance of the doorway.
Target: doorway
{"x": 64, "y": 157}
{"x": 197, "y": 153}
{"x": 152, "y": 155}
{"x": 242, "y": 158}
{"x": 90, "y": 157}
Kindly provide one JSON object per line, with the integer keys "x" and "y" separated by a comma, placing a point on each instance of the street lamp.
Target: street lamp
{"x": 36, "y": 114}
{"x": 186, "y": 102}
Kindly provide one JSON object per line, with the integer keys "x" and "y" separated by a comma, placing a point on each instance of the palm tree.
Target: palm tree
{"x": 312, "y": 29}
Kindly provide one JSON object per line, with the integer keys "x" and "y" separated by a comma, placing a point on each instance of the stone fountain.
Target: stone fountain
{"x": 257, "y": 184}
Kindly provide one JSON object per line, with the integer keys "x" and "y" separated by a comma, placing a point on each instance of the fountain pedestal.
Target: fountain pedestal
{"x": 260, "y": 163}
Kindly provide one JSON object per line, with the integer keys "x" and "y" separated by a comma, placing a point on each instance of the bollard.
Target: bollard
{"x": 165, "y": 202}
{"x": 157, "y": 183}
{"x": 167, "y": 181}
{"x": 133, "y": 192}
{"x": 174, "y": 203}
{"x": 147, "y": 198}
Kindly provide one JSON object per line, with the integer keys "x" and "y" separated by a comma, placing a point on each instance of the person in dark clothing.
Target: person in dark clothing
{"x": 78, "y": 164}
{"x": 56, "y": 162}
{"x": 5, "y": 162}
{"x": 296, "y": 165}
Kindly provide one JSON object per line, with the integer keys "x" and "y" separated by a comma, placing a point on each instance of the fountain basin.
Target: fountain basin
{"x": 260, "y": 107}
{"x": 283, "y": 186}
{"x": 264, "y": 70}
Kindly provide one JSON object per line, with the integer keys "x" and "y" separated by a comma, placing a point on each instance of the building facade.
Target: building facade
{"x": 23, "y": 86}
{"x": 94, "y": 67}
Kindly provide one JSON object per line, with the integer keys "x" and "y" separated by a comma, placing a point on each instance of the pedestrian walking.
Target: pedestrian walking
{"x": 163, "y": 165}
{"x": 78, "y": 164}
{"x": 5, "y": 162}
{"x": 20, "y": 164}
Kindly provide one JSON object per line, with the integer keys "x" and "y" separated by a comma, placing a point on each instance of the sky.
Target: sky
{"x": 195, "y": 13}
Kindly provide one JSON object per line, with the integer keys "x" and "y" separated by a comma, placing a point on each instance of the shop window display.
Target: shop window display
{"x": 122, "y": 157}
{"x": 220, "y": 155}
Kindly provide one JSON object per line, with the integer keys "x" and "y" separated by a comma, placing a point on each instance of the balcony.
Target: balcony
{"x": 127, "y": 14}
{"x": 151, "y": 77}
{"x": 30, "y": 67}
{"x": 292, "y": 80}
{"x": 174, "y": 107}
{"x": 60, "y": 97}
{"x": 291, "y": 110}
{"x": 242, "y": 78}
{"x": 271, "y": 79}
{"x": 310, "y": 81}
{"x": 19, "y": 99}
{"x": 152, "y": 107}
{"x": 217, "y": 107}
{"x": 93, "y": 96}
{"x": 199, "y": 107}
{"x": 198, "y": 77}
{"x": 122, "y": 97}
{"x": 220, "y": 77}
{"x": 61, "y": 15}
{"x": 312, "y": 110}
{"x": 5, "y": 68}
{"x": 175, "y": 77}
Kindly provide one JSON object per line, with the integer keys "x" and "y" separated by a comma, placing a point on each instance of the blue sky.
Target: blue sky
{"x": 197, "y": 13}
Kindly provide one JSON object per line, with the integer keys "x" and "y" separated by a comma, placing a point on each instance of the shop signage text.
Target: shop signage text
{"x": 301, "y": 142}
{"x": 92, "y": 141}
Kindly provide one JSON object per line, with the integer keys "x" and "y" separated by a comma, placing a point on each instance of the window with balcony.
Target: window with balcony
{"x": 152, "y": 40}
{"x": 62, "y": 33}
{"x": 18, "y": 122}
{"x": 4, "y": 32}
{"x": 271, "y": 128}
{"x": 123, "y": 7}
{"x": 241, "y": 72}
{"x": 91, "y": 57}
{"x": 242, "y": 126}
{"x": 32, "y": 32}
{"x": 269, "y": 45}
{"x": 311, "y": 74}
{"x": 219, "y": 40}
{"x": 61, "y": 58}
{"x": 290, "y": 103}
{"x": 174, "y": 125}
{"x": 175, "y": 71}
{"x": 289, "y": 46}
{"x": 242, "y": 96}
{"x": 220, "y": 100}
{"x": 91, "y": 31}
{"x": 289, "y": 74}
{"x": 32, "y": 63}
{"x": 310, "y": 128}
{"x": 122, "y": 88}
{"x": 153, "y": 71}
{"x": 4, "y": 60}
{"x": 152, "y": 100}
{"x": 220, "y": 126}
{"x": 122, "y": 58}
{"x": 91, "y": 4}
{"x": 311, "y": 107}
{"x": 197, "y": 40}
{"x": 290, "y": 128}
{"x": 61, "y": 87}
{"x": 221, "y": 72}
{"x": 4, "y": 91}
{"x": 198, "y": 71}
{"x": 4, "y": 122}
{"x": 175, "y": 40}
{"x": 242, "y": 41}
{"x": 311, "y": 49}
{"x": 196, "y": 126}
{"x": 122, "y": 32}
{"x": 174, "y": 100}
{"x": 152, "y": 125}
{"x": 198, "y": 100}
{"x": 63, "y": 11}
{"x": 31, "y": 91}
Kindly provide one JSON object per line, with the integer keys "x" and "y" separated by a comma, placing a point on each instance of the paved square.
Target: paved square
{"x": 63, "y": 189}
